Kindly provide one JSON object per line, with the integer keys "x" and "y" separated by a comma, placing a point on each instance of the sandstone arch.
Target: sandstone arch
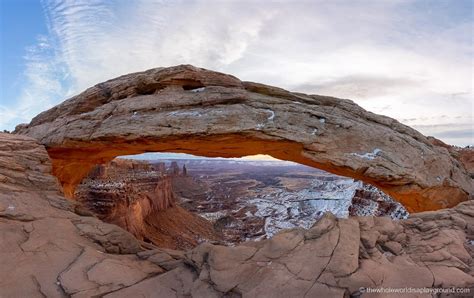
{"x": 193, "y": 110}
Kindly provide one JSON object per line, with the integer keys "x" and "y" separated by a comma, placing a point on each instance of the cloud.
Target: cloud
{"x": 357, "y": 87}
{"x": 102, "y": 39}
{"x": 458, "y": 134}
{"x": 399, "y": 58}
{"x": 43, "y": 84}
{"x": 7, "y": 115}
{"x": 461, "y": 134}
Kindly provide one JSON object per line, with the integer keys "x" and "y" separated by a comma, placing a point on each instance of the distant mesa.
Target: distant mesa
{"x": 138, "y": 197}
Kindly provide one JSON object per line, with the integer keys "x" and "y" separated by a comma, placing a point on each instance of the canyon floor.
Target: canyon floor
{"x": 253, "y": 200}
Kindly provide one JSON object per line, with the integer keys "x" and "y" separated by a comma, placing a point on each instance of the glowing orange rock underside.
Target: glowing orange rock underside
{"x": 71, "y": 165}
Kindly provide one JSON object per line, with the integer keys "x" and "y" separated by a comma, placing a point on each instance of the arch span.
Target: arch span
{"x": 193, "y": 110}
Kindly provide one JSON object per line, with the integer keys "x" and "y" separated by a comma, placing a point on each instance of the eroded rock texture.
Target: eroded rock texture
{"x": 466, "y": 155}
{"x": 338, "y": 256}
{"x": 193, "y": 110}
{"x": 138, "y": 197}
{"x": 126, "y": 192}
{"x": 368, "y": 200}
{"x": 48, "y": 250}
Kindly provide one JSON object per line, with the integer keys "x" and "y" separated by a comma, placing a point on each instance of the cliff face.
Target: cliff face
{"x": 138, "y": 197}
{"x": 368, "y": 200}
{"x": 120, "y": 168}
{"x": 126, "y": 183}
{"x": 193, "y": 110}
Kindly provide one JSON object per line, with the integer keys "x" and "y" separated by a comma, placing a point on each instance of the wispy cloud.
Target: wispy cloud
{"x": 458, "y": 133}
{"x": 406, "y": 59}
{"x": 43, "y": 84}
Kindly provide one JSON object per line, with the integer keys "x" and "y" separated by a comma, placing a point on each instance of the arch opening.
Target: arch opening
{"x": 178, "y": 200}
{"x": 192, "y": 110}
{"x": 71, "y": 163}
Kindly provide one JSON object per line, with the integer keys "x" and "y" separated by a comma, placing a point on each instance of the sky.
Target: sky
{"x": 410, "y": 60}
{"x": 161, "y": 155}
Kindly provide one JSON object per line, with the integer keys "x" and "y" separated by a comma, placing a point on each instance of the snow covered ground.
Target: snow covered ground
{"x": 283, "y": 210}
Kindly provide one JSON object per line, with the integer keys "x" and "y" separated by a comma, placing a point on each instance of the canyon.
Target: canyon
{"x": 55, "y": 241}
{"x": 139, "y": 197}
{"x": 239, "y": 200}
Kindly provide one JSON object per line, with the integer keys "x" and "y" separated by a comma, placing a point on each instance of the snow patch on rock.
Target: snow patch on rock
{"x": 198, "y": 89}
{"x": 272, "y": 115}
{"x": 185, "y": 113}
{"x": 369, "y": 155}
{"x": 213, "y": 216}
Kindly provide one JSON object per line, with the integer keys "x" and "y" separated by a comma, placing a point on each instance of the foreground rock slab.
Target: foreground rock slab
{"x": 47, "y": 250}
{"x": 193, "y": 110}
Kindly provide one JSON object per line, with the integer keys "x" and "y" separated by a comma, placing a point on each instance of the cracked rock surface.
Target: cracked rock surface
{"x": 193, "y": 110}
{"x": 47, "y": 250}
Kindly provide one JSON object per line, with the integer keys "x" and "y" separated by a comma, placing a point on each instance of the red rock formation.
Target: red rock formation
{"x": 466, "y": 156}
{"x": 174, "y": 169}
{"x": 192, "y": 110}
{"x": 159, "y": 167}
{"x": 369, "y": 201}
{"x": 130, "y": 194}
{"x": 185, "y": 171}
{"x": 177, "y": 228}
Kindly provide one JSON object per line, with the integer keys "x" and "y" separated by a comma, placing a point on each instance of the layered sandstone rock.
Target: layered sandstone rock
{"x": 174, "y": 169}
{"x": 193, "y": 110}
{"x": 48, "y": 250}
{"x": 466, "y": 156}
{"x": 119, "y": 168}
{"x": 138, "y": 197}
{"x": 368, "y": 200}
{"x": 125, "y": 184}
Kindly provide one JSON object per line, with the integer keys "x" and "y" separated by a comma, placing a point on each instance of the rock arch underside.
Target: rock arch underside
{"x": 192, "y": 110}
{"x": 50, "y": 247}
